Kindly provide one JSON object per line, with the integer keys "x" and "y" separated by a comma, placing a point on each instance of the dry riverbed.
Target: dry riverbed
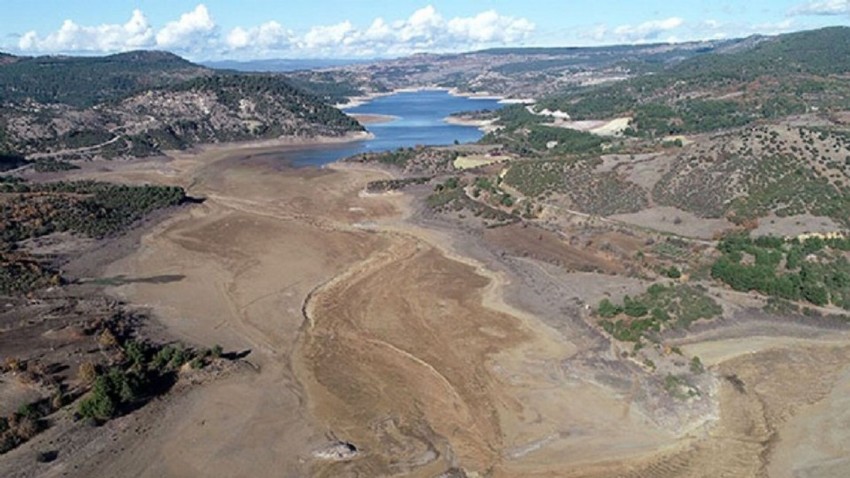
{"x": 384, "y": 343}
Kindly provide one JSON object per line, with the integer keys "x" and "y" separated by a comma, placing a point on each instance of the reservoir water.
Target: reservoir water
{"x": 420, "y": 121}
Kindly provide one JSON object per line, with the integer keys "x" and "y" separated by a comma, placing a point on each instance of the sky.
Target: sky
{"x": 261, "y": 29}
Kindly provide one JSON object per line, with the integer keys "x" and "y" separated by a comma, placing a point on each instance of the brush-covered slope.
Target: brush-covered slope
{"x": 770, "y": 78}
{"x": 86, "y": 81}
{"x": 141, "y": 103}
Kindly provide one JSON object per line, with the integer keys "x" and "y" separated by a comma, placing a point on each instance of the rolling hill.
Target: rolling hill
{"x": 86, "y": 81}
{"x": 768, "y": 79}
{"x": 141, "y": 103}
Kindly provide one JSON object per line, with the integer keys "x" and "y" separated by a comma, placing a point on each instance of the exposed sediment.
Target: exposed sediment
{"x": 406, "y": 340}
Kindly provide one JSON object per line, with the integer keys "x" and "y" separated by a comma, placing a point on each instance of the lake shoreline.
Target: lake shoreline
{"x": 355, "y": 101}
{"x": 411, "y": 117}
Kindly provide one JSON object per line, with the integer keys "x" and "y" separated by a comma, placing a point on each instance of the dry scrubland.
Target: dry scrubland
{"x": 391, "y": 335}
{"x": 621, "y": 292}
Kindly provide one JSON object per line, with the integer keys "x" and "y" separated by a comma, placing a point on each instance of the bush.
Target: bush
{"x": 87, "y": 372}
{"x": 676, "y": 306}
{"x": 696, "y": 365}
{"x": 820, "y": 281}
{"x": 634, "y": 308}
{"x": 99, "y": 406}
{"x": 607, "y": 309}
{"x": 109, "y": 394}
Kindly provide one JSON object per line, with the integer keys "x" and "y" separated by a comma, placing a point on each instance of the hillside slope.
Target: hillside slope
{"x": 220, "y": 108}
{"x": 141, "y": 103}
{"x": 86, "y": 81}
{"x": 772, "y": 78}
{"x": 510, "y": 72}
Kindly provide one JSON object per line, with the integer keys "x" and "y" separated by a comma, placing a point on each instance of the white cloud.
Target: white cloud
{"x": 197, "y": 34}
{"x": 421, "y": 26}
{"x": 775, "y": 28}
{"x": 823, "y": 7}
{"x": 489, "y": 27}
{"x": 192, "y": 30}
{"x": 329, "y": 36}
{"x": 136, "y": 33}
{"x": 649, "y": 30}
{"x": 268, "y": 36}
{"x": 424, "y": 30}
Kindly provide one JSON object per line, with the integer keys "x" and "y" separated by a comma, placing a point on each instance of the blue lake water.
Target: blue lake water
{"x": 420, "y": 122}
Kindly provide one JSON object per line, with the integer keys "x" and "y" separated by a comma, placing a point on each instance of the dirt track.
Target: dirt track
{"x": 366, "y": 328}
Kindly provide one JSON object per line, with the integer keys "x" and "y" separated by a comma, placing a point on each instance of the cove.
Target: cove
{"x": 420, "y": 121}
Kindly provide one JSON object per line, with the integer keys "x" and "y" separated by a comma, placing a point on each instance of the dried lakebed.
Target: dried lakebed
{"x": 387, "y": 343}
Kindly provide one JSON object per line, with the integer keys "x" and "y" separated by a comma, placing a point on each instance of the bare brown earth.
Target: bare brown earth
{"x": 365, "y": 326}
{"x": 373, "y": 119}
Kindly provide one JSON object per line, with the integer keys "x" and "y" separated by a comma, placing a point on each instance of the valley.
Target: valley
{"x": 643, "y": 273}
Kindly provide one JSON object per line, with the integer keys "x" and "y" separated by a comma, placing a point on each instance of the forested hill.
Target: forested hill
{"x": 86, "y": 81}
{"x": 141, "y": 103}
{"x": 771, "y": 78}
{"x": 7, "y": 58}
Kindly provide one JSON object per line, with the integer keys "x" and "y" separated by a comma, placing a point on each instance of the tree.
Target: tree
{"x": 673, "y": 272}
{"x": 99, "y": 405}
{"x": 634, "y": 308}
{"x": 696, "y": 365}
{"x": 815, "y": 294}
{"x": 607, "y": 309}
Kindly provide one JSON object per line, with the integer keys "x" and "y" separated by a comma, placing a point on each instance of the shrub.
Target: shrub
{"x": 634, "y": 308}
{"x": 163, "y": 357}
{"x": 87, "y": 372}
{"x": 607, "y": 309}
{"x": 107, "y": 339}
{"x": 696, "y": 365}
{"x": 110, "y": 392}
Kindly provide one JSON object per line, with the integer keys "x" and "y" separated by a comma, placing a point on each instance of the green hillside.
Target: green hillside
{"x": 86, "y": 81}
{"x": 775, "y": 77}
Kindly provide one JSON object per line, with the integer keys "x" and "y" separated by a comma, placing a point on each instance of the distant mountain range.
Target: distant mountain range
{"x": 512, "y": 72}
{"x": 280, "y": 65}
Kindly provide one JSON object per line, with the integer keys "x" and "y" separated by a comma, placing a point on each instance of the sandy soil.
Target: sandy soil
{"x": 365, "y": 325}
{"x": 484, "y": 125}
{"x": 373, "y": 119}
{"x": 677, "y": 221}
{"x": 795, "y": 225}
{"x": 429, "y": 374}
{"x": 476, "y": 161}
{"x": 613, "y": 127}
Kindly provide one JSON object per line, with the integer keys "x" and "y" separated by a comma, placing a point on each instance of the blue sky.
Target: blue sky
{"x": 247, "y": 29}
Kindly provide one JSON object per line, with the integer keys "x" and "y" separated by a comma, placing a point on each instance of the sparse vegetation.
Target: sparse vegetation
{"x": 775, "y": 78}
{"x": 660, "y": 307}
{"x": 678, "y": 386}
{"x": 752, "y": 173}
{"x": 815, "y": 270}
{"x": 52, "y": 165}
{"x": 93, "y": 209}
{"x": 415, "y": 160}
{"x": 577, "y": 185}
{"x": 385, "y": 185}
{"x": 85, "y": 207}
